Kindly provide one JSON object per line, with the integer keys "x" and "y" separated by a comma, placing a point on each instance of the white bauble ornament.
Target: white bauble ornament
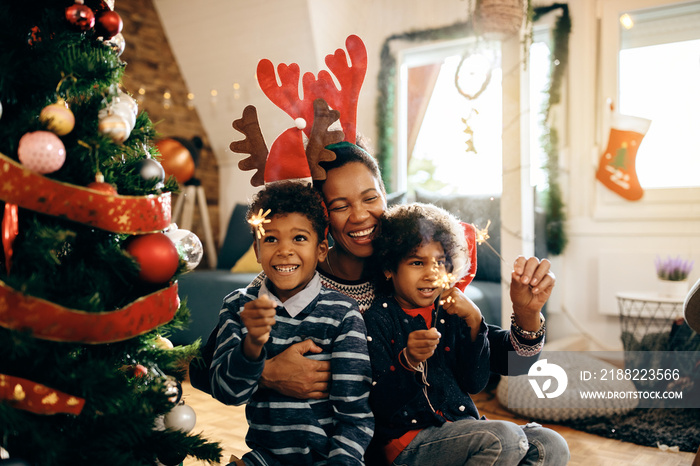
{"x": 116, "y": 127}
{"x": 181, "y": 417}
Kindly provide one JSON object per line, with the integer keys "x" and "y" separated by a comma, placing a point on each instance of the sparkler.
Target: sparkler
{"x": 444, "y": 281}
{"x": 257, "y": 221}
{"x": 482, "y": 234}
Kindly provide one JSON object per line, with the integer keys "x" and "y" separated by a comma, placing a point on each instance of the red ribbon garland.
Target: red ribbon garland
{"x": 10, "y": 230}
{"x": 37, "y": 398}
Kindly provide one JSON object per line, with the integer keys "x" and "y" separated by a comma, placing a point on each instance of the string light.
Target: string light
{"x": 141, "y": 95}
{"x": 166, "y": 100}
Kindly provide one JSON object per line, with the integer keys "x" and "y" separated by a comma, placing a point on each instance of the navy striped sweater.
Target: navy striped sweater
{"x": 335, "y": 430}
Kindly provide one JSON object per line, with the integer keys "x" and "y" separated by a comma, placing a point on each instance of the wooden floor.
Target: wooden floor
{"x": 227, "y": 425}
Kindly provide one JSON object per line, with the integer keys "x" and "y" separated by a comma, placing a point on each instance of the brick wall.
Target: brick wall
{"x": 152, "y": 66}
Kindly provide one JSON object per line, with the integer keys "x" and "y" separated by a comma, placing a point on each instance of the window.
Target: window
{"x": 658, "y": 79}
{"x": 451, "y": 143}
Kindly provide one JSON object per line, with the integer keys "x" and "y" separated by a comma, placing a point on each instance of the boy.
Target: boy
{"x": 291, "y": 306}
{"x": 429, "y": 350}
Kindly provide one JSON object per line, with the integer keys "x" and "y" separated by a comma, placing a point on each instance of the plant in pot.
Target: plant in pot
{"x": 673, "y": 275}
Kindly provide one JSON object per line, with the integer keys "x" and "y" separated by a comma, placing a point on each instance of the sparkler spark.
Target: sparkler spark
{"x": 258, "y": 220}
{"x": 482, "y": 234}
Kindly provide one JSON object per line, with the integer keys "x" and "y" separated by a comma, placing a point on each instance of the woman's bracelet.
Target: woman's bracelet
{"x": 528, "y": 335}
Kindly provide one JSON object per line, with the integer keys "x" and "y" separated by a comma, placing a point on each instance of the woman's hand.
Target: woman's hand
{"x": 290, "y": 373}
{"x": 531, "y": 286}
{"x": 258, "y": 316}
{"x": 421, "y": 345}
{"x": 453, "y": 301}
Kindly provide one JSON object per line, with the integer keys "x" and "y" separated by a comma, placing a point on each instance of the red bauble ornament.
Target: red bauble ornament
{"x": 80, "y": 17}
{"x": 104, "y": 188}
{"x": 108, "y": 25}
{"x": 100, "y": 185}
{"x": 156, "y": 255}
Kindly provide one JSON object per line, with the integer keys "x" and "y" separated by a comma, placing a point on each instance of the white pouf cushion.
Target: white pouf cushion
{"x": 540, "y": 409}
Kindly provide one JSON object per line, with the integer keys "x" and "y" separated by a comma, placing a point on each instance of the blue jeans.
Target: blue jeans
{"x": 482, "y": 442}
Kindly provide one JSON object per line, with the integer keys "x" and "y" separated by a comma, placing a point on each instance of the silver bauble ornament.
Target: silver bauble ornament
{"x": 149, "y": 169}
{"x": 188, "y": 246}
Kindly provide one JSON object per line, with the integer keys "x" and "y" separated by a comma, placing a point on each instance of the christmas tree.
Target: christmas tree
{"x": 89, "y": 263}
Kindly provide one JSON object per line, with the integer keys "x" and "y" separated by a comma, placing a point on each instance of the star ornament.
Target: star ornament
{"x": 258, "y": 220}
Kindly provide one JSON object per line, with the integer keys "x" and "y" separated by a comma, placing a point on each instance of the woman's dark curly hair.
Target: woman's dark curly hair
{"x": 291, "y": 197}
{"x": 346, "y": 153}
{"x": 404, "y": 228}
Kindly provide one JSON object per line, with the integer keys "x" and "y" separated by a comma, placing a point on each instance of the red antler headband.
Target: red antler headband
{"x": 322, "y": 104}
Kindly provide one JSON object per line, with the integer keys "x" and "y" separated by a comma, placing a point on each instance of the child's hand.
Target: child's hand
{"x": 531, "y": 286}
{"x": 453, "y": 301}
{"x": 258, "y": 316}
{"x": 421, "y": 345}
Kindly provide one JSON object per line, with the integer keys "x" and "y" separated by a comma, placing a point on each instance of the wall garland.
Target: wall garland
{"x": 553, "y": 202}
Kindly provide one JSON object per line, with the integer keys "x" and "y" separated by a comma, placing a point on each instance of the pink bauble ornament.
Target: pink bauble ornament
{"x": 41, "y": 152}
{"x": 58, "y": 118}
{"x": 156, "y": 255}
{"x": 181, "y": 417}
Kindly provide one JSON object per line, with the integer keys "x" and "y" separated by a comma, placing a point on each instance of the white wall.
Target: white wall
{"x": 220, "y": 42}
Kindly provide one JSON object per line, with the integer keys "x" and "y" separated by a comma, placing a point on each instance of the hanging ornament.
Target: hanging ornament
{"x": 181, "y": 417}
{"x": 80, "y": 16}
{"x": 100, "y": 185}
{"x": 34, "y": 36}
{"x": 177, "y": 159}
{"x": 617, "y": 166}
{"x": 123, "y": 106}
{"x": 163, "y": 343}
{"x": 10, "y": 230}
{"x": 41, "y": 151}
{"x": 108, "y": 24}
{"x": 156, "y": 255}
{"x": 117, "y": 43}
{"x": 150, "y": 169}
{"x": 58, "y": 118}
{"x": 188, "y": 246}
{"x": 116, "y": 127}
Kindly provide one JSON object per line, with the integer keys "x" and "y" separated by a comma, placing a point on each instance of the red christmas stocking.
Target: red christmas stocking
{"x": 616, "y": 169}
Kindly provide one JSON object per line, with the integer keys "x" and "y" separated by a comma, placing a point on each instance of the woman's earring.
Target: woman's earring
{"x": 388, "y": 277}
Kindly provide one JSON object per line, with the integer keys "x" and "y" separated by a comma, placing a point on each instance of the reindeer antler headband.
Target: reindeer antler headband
{"x": 322, "y": 104}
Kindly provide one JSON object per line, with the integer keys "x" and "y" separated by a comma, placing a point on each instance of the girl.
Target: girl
{"x": 429, "y": 350}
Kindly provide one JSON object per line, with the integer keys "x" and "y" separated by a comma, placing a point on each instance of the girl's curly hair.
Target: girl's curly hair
{"x": 404, "y": 228}
{"x": 291, "y": 197}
